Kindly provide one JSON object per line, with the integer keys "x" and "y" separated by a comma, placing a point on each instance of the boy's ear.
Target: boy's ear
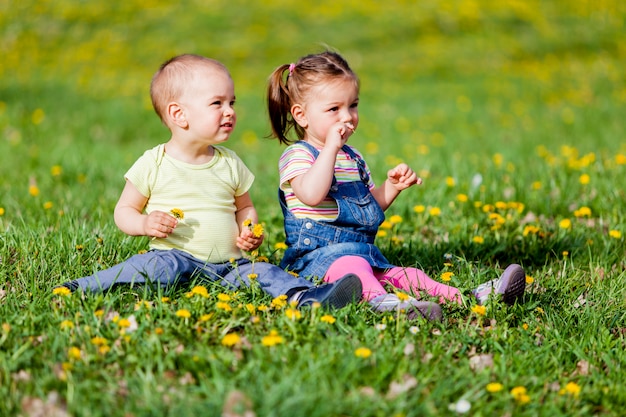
{"x": 298, "y": 115}
{"x": 176, "y": 114}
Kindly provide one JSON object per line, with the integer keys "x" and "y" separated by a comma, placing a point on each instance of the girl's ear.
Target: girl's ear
{"x": 176, "y": 114}
{"x": 299, "y": 116}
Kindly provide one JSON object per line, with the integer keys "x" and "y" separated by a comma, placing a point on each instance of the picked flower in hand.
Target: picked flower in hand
{"x": 257, "y": 229}
{"x": 178, "y": 213}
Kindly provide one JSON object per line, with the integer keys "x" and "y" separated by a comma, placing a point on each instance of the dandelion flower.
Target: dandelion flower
{"x": 280, "y": 246}
{"x": 615, "y": 234}
{"x": 61, "y": 291}
{"x": 381, "y": 233}
{"x": 247, "y": 223}
{"x": 1, "y": 211}
{"x": 478, "y": 239}
{"x": 450, "y": 182}
{"x": 183, "y": 313}
{"x": 363, "y": 352}
{"x": 56, "y": 170}
{"x": 224, "y": 297}
{"x": 583, "y": 212}
{"x": 123, "y": 323}
{"x": 199, "y": 290}
{"x": 571, "y": 388}
{"x": 435, "y": 211}
{"x": 462, "y": 198}
{"x": 529, "y": 279}
{"x": 257, "y": 230}
{"x": 221, "y": 305}
{"x": 327, "y": 318}
{"x": 33, "y": 190}
{"x": 395, "y": 219}
{"x": 584, "y": 179}
{"x": 520, "y": 395}
{"x": 48, "y": 205}
{"x": 99, "y": 341}
{"x": 293, "y": 314}
{"x": 252, "y": 276}
{"x": 272, "y": 339}
{"x": 279, "y": 302}
{"x": 565, "y": 224}
{"x": 402, "y": 296}
{"x": 231, "y": 339}
{"x": 419, "y": 209}
{"x": 74, "y": 353}
{"x": 178, "y": 213}
{"x": 479, "y": 310}
{"x": 67, "y": 324}
{"x": 493, "y": 387}
{"x": 447, "y": 276}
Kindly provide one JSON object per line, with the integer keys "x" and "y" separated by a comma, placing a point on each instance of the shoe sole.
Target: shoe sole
{"x": 512, "y": 284}
{"x": 424, "y": 309}
{"x": 348, "y": 290}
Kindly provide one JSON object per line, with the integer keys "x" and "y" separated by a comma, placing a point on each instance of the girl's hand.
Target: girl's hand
{"x": 246, "y": 240}
{"x": 159, "y": 224}
{"x": 402, "y": 177}
{"x": 338, "y": 134}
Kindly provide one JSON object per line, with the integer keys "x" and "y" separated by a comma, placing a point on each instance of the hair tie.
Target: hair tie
{"x": 291, "y": 68}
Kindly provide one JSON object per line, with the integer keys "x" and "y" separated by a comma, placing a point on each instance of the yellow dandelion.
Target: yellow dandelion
{"x": 205, "y": 317}
{"x": 529, "y": 279}
{"x": 525, "y": 326}
{"x": 501, "y": 205}
{"x": 252, "y": 276}
{"x": 272, "y": 339}
{"x": 584, "y": 179}
{"x": 61, "y": 291}
{"x": 478, "y": 239}
{"x": 381, "y": 233}
{"x": 571, "y": 388}
{"x": 565, "y": 224}
{"x": 1, "y": 211}
{"x": 231, "y": 339}
{"x": 395, "y": 219}
{"x": 280, "y": 246}
{"x": 450, "y": 182}
{"x": 493, "y": 387}
{"x": 497, "y": 159}
{"x": 221, "y": 305}
{"x": 48, "y": 205}
{"x": 6, "y": 327}
{"x": 363, "y": 352}
{"x": 530, "y": 230}
{"x": 402, "y": 296}
{"x": 178, "y": 213}
{"x": 620, "y": 159}
{"x": 279, "y": 302}
{"x": 615, "y": 234}
{"x": 565, "y": 254}
{"x": 56, "y": 170}
{"x": 67, "y": 324}
{"x": 479, "y": 310}
{"x": 247, "y": 223}
{"x": 520, "y": 395}
{"x": 386, "y": 224}
{"x": 447, "y": 276}
{"x": 143, "y": 304}
{"x": 434, "y": 211}
{"x": 165, "y": 300}
{"x": 99, "y": 312}
{"x": 293, "y": 314}
{"x": 103, "y": 350}
{"x": 463, "y": 198}
{"x": 74, "y": 353}
{"x": 123, "y": 323}
{"x": 327, "y": 318}
{"x": 99, "y": 341}
{"x": 257, "y": 230}
{"x": 159, "y": 331}
{"x": 583, "y": 212}
{"x": 536, "y": 185}
{"x": 33, "y": 190}
{"x": 201, "y": 291}
{"x": 183, "y": 313}
{"x": 419, "y": 208}
{"x": 224, "y": 297}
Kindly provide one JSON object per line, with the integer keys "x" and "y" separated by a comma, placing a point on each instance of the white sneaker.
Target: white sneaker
{"x": 511, "y": 284}
{"x": 414, "y": 308}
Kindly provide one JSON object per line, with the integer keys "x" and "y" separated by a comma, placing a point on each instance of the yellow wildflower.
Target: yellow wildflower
{"x": 494, "y": 387}
{"x": 221, "y": 305}
{"x": 363, "y": 352}
{"x": 252, "y": 277}
{"x": 178, "y": 213}
{"x": 571, "y": 388}
{"x": 279, "y": 302}
{"x": 67, "y": 324}
{"x": 419, "y": 208}
{"x": 231, "y": 339}
{"x": 257, "y": 230}
{"x": 565, "y": 224}
{"x": 327, "y": 318}
{"x": 462, "y": 198}
{"x": 224, "y": 297}
{"x": 584, "y": 179}
{"x": 434, "y": 211}
{"x": 293, "y": 314}
{"x": 529, "y": 279}
{"x": 447, "y": 276}
{"x": 99, "y": 341}
{"x": 395, "y": 219}
{"x": 479, "y": 310}
{"x": 272, "y": 339}
{"x": 61, "y": 291}
{"x": 402, "y": 296}
{"x": 583, "y": 212}
{"x": 615, "y": 234}
{"x": 200, "y": 290}
{"x": 280, "y": 246}
{"x": 478, "y": 239}
{"x": 183, "y": 313}
{"x": 74, "y": 353}
{"x": 520, "y": 395}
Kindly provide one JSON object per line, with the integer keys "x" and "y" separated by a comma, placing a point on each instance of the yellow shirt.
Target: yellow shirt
{"x": 205, "y": 194}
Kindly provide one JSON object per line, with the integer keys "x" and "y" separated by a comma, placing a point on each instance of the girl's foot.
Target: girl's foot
{"x": 413, "y": 308}
{"x": 511, "y": 285}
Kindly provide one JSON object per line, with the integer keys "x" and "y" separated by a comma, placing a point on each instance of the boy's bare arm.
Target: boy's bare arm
{"x": 129, "y": 216}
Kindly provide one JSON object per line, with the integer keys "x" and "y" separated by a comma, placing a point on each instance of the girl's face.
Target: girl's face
{"x": 328, "y": 104}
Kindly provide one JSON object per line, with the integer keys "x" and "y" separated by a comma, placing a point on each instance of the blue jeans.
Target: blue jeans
{"x": 175, "y": 267}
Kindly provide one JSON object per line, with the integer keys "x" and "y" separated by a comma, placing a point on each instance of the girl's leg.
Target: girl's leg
{"x": 414, "y": 280}
{"x": 359, "y": 266}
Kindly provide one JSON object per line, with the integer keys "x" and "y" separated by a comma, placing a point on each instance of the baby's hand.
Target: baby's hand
{"x": 247, "y": 241}
{"x": 339, "y": 133}
{"x": 159, "y": 224}
{"x": 402, "y": 177}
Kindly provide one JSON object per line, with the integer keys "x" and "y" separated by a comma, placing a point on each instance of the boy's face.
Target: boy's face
{"x": 207, "y": 105}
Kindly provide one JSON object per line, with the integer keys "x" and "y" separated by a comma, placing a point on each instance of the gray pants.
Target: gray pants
{"x": 175, "y": 267}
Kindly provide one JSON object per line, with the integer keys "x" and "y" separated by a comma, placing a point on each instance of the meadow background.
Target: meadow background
{"x": 512, "y": 112}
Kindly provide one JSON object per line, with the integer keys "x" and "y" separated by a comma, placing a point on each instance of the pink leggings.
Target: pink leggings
{"x": 412, "y": 280}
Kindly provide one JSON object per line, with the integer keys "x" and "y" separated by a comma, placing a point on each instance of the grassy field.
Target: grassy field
{"x": 512, "y": 112}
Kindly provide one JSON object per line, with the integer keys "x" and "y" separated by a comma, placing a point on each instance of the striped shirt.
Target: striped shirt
{"x": 296, "y": 161}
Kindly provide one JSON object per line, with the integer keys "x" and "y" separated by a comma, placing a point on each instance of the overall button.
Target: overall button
{"x": 308, "y": 225}
{"x": 307, "y": 241}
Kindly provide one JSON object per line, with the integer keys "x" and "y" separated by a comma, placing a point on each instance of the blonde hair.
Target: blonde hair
{"x": 284, "y": 91}
{"x": 174, "y": 76}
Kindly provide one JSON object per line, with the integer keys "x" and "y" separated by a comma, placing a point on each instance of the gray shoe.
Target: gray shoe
{"x": 511, "y": 285}
{"x": 413, "y": 308}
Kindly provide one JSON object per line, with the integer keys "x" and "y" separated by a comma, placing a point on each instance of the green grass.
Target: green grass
{"x": 528, "y": 96}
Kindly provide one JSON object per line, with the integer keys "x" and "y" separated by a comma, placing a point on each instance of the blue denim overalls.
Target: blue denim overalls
{"x": 314, "y": 245}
